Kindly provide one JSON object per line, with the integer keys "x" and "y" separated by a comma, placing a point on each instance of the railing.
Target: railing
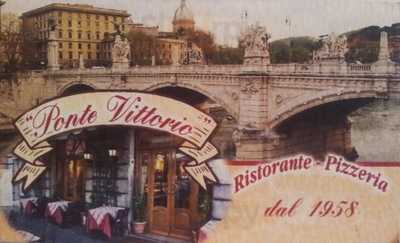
{"x": 273, "y": 69}
{"x": 360, "y": 67}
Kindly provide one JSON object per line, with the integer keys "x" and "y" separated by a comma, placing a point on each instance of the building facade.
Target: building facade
{"x": 80, "y": 29}
{"x": 162, "y": 47}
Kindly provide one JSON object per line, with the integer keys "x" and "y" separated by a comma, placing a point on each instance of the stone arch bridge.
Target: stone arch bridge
{"x": 271, "y": 104}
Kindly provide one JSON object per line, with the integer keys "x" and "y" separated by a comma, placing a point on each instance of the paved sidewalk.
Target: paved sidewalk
{"x": 54, "y": 234}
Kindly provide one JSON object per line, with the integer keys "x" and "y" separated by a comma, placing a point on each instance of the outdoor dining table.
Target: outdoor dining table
{"x": 55, "y": 210}
{"x": 100, "y": 219}
{"x": 28, "y": 205}
{"x": 28, "y": 237}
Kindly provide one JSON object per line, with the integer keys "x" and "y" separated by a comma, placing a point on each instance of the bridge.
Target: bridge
{"x": 274, "y": 109}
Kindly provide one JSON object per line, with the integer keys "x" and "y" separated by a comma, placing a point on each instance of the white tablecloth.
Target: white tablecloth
{"x": 99, "y": 213}
{"x": 63, "y": 205}
{"x": 24, "y": 201}
{"x": 27, "y": 236}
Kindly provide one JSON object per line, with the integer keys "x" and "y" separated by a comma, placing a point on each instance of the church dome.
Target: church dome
{"x": 183, "y": 14}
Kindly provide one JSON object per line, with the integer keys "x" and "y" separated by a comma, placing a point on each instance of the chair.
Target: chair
{"x": 72, "y": 216}
{"x": 120, "y": 223}
{"x": 40, "y": 208}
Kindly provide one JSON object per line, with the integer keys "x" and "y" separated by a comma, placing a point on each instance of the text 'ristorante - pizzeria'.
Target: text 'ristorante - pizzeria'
{"x": 333, "y": 163}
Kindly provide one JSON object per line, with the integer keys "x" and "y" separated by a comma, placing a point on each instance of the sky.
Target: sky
{"x": 223, "y": 17}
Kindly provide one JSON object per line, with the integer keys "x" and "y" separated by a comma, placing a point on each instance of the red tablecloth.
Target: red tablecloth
{"x": 28, "y": 205}
{"x": 56, "y": 216}
{"x": 29, "y": 208}
{"x": 104, "y": 226}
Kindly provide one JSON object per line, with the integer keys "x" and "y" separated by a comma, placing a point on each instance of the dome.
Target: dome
{"x": 183, "y": 13}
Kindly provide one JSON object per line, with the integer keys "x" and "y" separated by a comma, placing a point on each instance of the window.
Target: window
{"x": 70, "y": 34}
{"x": 70, "y": 55}
{"x": 60, "y": 55}
{"x": 80, "y": 46}
{"x": 60, "y": 45}
{"x": 69, "y": 23}
{"x": 123, "y": 27}
{"x": 89, "y": 36}
{"x": 60, "y": 34}
{"x": 80, "y": 54}
{"x": 106, "y": 18}
{"x": 79, "y": 35}
{"x": 89, "y": 55}
{"x": 79, "y": 24}
{"x": 70, "y": 45}
{"x": 97, "y": 46}
{"x": 60, "y": 21}
{"x": 89, "y": 46}
{"x": 98, "y": 36}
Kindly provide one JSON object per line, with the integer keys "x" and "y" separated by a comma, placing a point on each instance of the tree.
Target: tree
{"x": 17, "y": 48}
{"x": 11, "y": 43}
{"x": 296, "y": 49}
{"x": 364, "y": 45}
{"x": 143, "y": 47}
{"x": 228, "y": 55}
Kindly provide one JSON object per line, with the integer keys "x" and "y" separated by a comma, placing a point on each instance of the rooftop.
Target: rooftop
{"x": 83, "y": 8}
{"x": 183, "y": 13}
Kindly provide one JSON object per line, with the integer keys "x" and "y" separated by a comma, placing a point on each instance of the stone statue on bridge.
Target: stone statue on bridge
{"x": 334, "y": 49}
{"x": 192, "y": 54}
{"x": 120, "y": 53}
{"x": 255, "y": 41}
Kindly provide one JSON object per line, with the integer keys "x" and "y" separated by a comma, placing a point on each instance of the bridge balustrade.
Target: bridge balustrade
{"x": 360, "y": 67}
{"x": 293, "y": 68}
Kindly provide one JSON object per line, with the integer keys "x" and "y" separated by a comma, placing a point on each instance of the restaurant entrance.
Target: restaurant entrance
{"x": 172, "y": 196}
{"x": 71, "y": 169}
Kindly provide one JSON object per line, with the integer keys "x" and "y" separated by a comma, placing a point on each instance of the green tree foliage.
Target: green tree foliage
{"x": 228, "y": 55}
{"x": 363, "y": 45}
{"x": 298, "y": 50}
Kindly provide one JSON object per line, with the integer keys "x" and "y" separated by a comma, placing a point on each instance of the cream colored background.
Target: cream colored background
{"x": 376, "y": 219}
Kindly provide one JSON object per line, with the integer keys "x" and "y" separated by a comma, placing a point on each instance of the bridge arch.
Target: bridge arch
{"x": 76, "y": 87}
{"x": 197, "y": 89}
{"x": 299, "y": 106}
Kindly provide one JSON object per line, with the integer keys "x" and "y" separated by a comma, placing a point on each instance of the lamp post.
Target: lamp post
{"x": 1, "y": 5}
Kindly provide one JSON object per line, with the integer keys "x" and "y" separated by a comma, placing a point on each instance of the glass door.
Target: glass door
{"x": 159, "y": 196}
{"x": 184, "y": 203}
{"x": 74, "y": 185}
{"x": 172, "y": 195}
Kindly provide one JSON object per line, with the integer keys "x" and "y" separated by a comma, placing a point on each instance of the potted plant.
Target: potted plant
{"x": 139, "y": 215}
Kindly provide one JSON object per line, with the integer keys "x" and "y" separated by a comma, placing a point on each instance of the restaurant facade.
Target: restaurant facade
{"x": 125, "y": 166}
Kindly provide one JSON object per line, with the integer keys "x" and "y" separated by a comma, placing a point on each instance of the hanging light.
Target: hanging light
{"x": 87, "y": 156}
{"x": 112, "y": 152}
{"x": 159, "y": 163}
